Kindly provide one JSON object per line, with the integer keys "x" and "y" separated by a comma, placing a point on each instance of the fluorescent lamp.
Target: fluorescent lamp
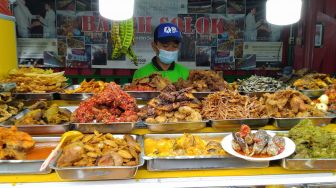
{"x": 283, "y": 12}
{"x": 116, "y": 9}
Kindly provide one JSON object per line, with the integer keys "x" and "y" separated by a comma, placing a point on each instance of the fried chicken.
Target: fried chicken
{"x": 14, "y": 144}
{"x": 172, "y": 107}
{"x": 71, "y": 153}
{"x": 110, "y": 105}
{"x": 288, "y": 104}
{"x": 203, "y": 81}
{"x": 91, "y": 86}
{"x": 313, "y": 81}
{"x": 153, "y": 82}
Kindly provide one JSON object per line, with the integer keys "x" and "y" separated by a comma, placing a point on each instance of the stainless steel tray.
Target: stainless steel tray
{"x": 288, "y": 123}
{"x": 309, "y": 164}
{"x": 98, "y": 172}
{"x": 117, "y": 127}
{"x": 74, "y": 96}
{"x": 143, "y": 95}
{"x": 26, "y": 166}
{"x": 197, "y": 162}
{"x": 178, "y": 127}
{"x": 35, "y": 96}
{"x": 236, "y": 123}
{"x": 39, "y": 129}
{"x": 44, "y": 129}
{"x": 313, "y": 93}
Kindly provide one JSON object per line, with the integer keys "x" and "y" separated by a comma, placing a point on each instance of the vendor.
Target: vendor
{"x": 167, "y": 38}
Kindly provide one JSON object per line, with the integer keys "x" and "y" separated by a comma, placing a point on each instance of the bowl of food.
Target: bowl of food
{"x": 257, "y": 145}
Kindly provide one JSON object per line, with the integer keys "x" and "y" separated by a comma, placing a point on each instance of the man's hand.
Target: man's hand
{"x": 35, "y": 23}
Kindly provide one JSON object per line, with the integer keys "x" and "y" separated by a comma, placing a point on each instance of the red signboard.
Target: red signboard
{"x": 4, "y": 8}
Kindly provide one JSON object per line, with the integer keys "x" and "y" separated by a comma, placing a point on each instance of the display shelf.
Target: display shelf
{"x": 274, "y": 174}
{"x": 265, "y": 176}
{"x": 217, "y": 180}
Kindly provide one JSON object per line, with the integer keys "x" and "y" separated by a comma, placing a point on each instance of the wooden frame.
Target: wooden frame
{"x": 319, "y": 32}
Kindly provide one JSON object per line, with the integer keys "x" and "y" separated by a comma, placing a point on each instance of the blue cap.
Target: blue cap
{"x": 167, "y": 32}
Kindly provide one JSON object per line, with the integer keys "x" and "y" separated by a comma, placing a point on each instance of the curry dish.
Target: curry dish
{"x": 14, "y": 144}
{"x": 100, "y": 150}
{"x": 40, "y": 151}
{"x": 259, "y": 144}
{"x": 186, "y": 145}
{"x": 313, "y": 81}
{"x": 41, "y": 114}
{"x": 91, "y": 86}
{"x": 312, "y": 141}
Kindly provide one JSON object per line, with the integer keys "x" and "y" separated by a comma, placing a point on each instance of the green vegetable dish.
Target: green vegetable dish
{"x": 313, "y": 141}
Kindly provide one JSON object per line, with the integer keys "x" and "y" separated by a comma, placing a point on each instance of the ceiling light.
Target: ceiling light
{"x": 283, "y": 12}
{"x": 116, "y": 9}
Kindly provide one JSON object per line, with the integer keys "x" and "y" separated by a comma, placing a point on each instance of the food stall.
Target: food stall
{"x": 154, "y": 166}
{"x": 198, "y": 132}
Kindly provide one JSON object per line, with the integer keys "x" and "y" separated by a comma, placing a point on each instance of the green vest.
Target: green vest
{"x": 174, "y": 72}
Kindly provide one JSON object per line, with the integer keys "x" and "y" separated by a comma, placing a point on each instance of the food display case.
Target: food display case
{"x": 205, "y": 169}
{"x": 161, "y": 171}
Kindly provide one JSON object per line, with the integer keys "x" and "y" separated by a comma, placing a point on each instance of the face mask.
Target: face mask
{"x": 168, "y": 57}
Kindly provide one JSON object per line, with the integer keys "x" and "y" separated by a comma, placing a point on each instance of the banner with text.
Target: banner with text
{"x": 217, "y": 34}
